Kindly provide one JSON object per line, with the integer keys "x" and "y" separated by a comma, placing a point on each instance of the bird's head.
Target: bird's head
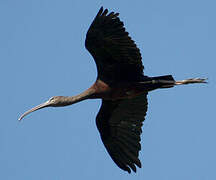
{"x": 54, "y": 101}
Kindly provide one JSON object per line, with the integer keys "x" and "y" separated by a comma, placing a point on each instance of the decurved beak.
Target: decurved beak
{"x": 40, "y": 106}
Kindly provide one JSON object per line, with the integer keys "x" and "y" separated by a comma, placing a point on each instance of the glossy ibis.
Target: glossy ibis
{"x": 121, "y": 85}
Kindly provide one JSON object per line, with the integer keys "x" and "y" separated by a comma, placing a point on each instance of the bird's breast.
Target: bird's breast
{"x": 118, "y": 91}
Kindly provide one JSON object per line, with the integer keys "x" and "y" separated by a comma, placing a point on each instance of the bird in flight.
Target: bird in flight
{"x": 122, "y": 86}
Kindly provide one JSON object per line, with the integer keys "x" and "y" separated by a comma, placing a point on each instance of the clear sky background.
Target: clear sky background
{"x": 42, "y": 54}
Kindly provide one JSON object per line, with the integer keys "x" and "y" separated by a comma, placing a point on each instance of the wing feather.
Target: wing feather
{"x": 115, "y": 53}
{"x": 119, "y": 123}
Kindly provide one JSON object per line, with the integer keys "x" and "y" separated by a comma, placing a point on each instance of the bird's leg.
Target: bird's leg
{"x": 190, "y": 81}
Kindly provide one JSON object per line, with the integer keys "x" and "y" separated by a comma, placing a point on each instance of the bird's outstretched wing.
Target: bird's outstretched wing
{"x": 115, "y": 53}
{"x": 119, "y": 123}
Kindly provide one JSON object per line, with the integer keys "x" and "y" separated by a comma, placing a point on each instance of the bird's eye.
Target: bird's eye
{"x": 52, "y": 98}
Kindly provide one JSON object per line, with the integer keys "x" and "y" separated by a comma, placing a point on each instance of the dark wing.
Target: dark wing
{"x": 119, "y": 123}
{"x": 115, "y": 53}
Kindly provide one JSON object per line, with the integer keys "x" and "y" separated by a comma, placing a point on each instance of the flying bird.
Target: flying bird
{"x": 122, "y": 86}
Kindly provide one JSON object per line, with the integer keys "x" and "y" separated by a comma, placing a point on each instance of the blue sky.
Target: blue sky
{"x": 42, "y": 54}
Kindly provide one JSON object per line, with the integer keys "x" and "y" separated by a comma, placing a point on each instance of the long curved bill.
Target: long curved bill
{"x": 40, "y": 106}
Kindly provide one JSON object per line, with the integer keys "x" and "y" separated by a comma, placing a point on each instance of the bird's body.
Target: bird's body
{"x": 122, "y": 86}
{"x": 114, "y": 92}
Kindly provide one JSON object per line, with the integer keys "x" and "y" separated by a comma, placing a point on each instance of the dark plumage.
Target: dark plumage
{"x": 115, "y": 53}
{"x": 122, "y": 87}
{"x": 119, "y": 123}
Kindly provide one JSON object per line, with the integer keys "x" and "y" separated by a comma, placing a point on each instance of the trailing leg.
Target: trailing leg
{"x": 191, "y": 81}
{"x": 167, "y": 81}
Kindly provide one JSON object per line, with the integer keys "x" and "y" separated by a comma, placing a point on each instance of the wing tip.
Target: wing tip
{"x": 103, "y": 12}
{"x": 100, "y": 11}
{"x": 128, "y": 170}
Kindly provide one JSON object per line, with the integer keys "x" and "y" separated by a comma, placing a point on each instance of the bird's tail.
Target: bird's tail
{"x": 168, "y": 81}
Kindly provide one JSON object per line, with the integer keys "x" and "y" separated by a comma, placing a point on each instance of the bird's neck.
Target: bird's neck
{"x": 69, "y": 100}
